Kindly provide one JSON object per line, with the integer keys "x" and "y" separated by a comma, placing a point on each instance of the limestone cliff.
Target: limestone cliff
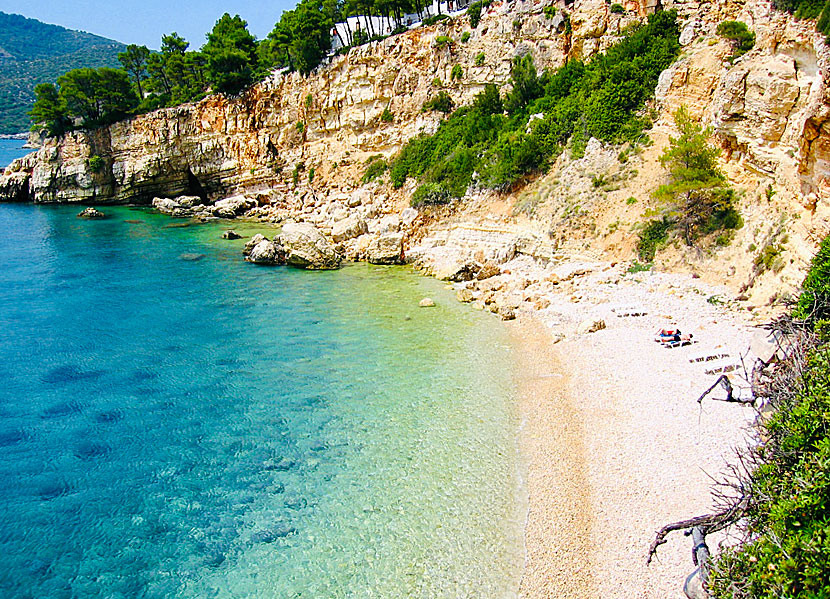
{"x": 297, "y": 145}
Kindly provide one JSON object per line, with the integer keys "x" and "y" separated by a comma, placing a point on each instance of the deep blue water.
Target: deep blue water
{"x": 11, "y": 149}
{"x": 176, "y": 427}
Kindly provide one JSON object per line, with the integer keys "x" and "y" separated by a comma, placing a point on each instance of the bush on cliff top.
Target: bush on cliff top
{"x": 496, "y": 139}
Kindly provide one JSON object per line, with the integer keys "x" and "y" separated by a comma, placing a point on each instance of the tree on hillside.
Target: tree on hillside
{"x": 698, "y": 196}
{"x": 97, "y": 96}
{"x": 134, "y": 60}
{"x": 301, "y": 38}
{"x": 176, "y": 75}
{"x": 48, "y": 110}
{"x": 231, "y": 54}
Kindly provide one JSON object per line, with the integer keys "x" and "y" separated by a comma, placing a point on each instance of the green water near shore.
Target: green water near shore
{"x": 202, "y": 427}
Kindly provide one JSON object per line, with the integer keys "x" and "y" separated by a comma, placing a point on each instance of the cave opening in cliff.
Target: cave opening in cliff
{"x": 194, "y": 188}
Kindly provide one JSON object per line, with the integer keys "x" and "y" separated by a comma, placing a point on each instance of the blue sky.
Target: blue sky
{"x": 144, "y": 22}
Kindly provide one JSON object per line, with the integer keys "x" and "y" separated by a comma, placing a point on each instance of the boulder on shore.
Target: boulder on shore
{"x": 91, "y": 213}
{"x": 252, "y": 243}
{"x": 306, "y": 247}
{"x": 386, "y": 249}
{"x": 232, "y": 207}
{"x": 268, "y": 253}
{"x": 348, "y": 228}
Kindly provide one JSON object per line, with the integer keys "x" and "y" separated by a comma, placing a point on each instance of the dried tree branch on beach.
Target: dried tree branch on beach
{"x": 774, "y": 383}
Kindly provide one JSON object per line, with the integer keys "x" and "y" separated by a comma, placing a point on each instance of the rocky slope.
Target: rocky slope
{"x": 296, "y": 147}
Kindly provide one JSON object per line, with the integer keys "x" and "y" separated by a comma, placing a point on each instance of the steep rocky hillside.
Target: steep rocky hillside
{"x": 297, "y": 146}
{"x": 32, "y": 52}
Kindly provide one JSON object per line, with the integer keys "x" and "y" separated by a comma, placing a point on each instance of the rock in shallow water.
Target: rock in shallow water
{"x": 306, "y": 247}
{"x": 91, "y": 213}
{"x": 231, "y": 234}
{"x": 270, "y": 535}
{"x": 426, "y": 303}
{"x": 267, "y": 253}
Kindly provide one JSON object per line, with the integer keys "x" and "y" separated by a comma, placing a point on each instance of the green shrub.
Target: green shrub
{"x": 386, "y": 116}
{"x": 457, "y": 73}
{"x": 308, "y": 101}
{"x": 465, "y": 37}
{"x": 549, "y": 11}
{"x": 814, "y": 301}
{"x": 300, "y": 127}
{"x": 375, "y": 167}
{"x": 630, "y": 201}
{"x": 617, "y": 9}
{"x": 430, "y": 194}
{"x": 474, "y": 11}
{"x": 479, "y": 59}
{"x": 785, "y": 552}
{"x": 95, "y": 163}
{"x": 736, "y": 32}
{"x": 436, "y": 82}
{"x": 441, "y": 103}
{"x": 311, "y": 173}
{"x": 434, "y": 19}
{"x": 442, "y": 41}
{"x": 652, "y": 237}
{"x": 638, "y": 267}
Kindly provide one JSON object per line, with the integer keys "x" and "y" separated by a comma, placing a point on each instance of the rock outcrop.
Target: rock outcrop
{"x": 224, "y": 157}
{"x": 306, "y": 247}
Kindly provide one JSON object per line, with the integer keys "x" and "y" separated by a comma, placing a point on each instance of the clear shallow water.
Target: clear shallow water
{"x": 11, "y": 149}
{"x": 208, "y": 428}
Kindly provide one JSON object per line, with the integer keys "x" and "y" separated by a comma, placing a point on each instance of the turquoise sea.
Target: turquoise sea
{"x": 11, "y": 149}
{"x": 175, "y": 422}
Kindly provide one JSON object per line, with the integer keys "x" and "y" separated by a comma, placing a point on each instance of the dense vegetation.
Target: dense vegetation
{"x": 33, "y": 52}
{"x": 739, "y": 35}
{"x": 495, "y": 143}
{"x": 786, "y": 552}
{"x": 808, "y": 9}
{"x": 231, "y": 60}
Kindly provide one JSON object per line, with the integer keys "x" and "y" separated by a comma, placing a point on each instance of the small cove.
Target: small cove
{"x": 199, "y": 427}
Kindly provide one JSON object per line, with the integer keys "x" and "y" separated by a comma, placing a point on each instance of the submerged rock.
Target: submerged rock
{"x": 306, "y": 247}
{"x": 270, "y": 535}
{"x": 191, "y": 257}
{"x": 91, "y": 213}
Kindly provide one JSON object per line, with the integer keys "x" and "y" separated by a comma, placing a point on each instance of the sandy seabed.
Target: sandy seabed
{"x": 616, "y": 446}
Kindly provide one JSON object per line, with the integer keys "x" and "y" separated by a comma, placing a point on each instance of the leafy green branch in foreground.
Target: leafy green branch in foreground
{"x": 496, "y": 139}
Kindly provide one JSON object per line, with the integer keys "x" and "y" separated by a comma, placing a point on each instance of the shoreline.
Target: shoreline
{"x": 606, "y": 460}
{"x": 617, "y": 447}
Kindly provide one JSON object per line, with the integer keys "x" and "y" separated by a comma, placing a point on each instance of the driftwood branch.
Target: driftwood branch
{"x": 724, "y": 382}
{"x": 708, "y": 524}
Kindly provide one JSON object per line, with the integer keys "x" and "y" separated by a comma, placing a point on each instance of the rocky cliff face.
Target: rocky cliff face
{"x": 297, "y": 146}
